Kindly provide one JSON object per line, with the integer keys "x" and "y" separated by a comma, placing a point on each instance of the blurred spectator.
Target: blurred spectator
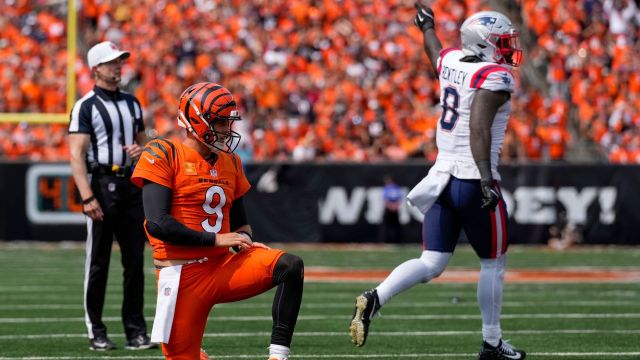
{"x": 319, "y": 79}
{"x": 564, "y": 233}
{"x": 390, "y": 228}
{"x": 590, "y": 68}
{"x": 31, "y": 79}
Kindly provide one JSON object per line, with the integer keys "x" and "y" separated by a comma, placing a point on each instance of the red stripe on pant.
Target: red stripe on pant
{"x": 494, "y": 234}
{"x": 505, "y": 236}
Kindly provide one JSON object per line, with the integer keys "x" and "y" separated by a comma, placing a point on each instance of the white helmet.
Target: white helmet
{"x": 490, "y": 36}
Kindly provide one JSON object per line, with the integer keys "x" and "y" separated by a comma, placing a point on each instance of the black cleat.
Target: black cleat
{"x": 504, "y": 351}
{"x": 101, "y": 343}
{"x": 367, "y": 305}
{"x": 140, "y": 342}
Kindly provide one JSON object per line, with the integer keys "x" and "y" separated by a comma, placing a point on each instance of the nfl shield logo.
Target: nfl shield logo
{"x": 213, "y": 172}
{"x": 167, "y": 291}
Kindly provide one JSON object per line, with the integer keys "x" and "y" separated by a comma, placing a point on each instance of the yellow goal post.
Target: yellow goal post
{"x": 40, "y": 118}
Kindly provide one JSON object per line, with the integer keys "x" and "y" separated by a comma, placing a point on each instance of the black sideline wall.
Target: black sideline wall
{"x": 343, "y": 202}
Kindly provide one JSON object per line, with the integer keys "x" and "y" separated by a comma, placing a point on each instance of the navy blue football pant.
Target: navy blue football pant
{"x": 459, "y": 208}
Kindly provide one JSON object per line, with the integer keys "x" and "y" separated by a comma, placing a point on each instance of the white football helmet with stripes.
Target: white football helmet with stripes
{"x": 491, "y": 36}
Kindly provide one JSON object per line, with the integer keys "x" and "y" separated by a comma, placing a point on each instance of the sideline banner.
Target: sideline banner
{"x": 343, "y": 202}
{"x": 39, "y": 202}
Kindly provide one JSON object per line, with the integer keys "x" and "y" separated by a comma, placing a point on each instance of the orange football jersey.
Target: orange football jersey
{"x": 202, "y": 194}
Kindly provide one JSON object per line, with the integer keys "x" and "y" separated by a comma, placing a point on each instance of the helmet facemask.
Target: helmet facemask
{"x": 508, "y": 49}
{"x": 224, "y": 140}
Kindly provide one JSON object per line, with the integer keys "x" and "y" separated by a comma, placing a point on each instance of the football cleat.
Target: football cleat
{"x": 140, "y": 342}
{"x": 278, "y": 357}
{"x": 101, "y": 343}
{"x": 504, "y": 351}
{"x": 367, "y": 305}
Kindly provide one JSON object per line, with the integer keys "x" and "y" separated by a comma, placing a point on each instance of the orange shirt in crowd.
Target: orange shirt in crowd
{"x": 370, "y": 62}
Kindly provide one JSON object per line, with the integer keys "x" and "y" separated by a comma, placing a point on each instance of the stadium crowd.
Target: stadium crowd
{"x": 331, "y": 80}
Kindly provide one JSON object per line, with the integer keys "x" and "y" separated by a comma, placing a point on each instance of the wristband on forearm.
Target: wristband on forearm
{"x": 88, "y": 200}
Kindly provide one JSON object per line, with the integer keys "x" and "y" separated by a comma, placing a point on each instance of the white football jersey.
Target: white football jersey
{"x": 458, "y": 84}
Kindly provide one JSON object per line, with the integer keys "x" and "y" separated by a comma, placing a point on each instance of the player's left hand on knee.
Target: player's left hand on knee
{"x": 255, "y": 244}
{"x": 490, "y": 194}
{"x": 259, "y": 245}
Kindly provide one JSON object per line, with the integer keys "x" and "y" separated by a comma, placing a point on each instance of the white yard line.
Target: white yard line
{"x": 24, "y": 320}
{"x": 340, "y": 356}
{"x": 343, "y": 333}
{"x": 307, "y": 305}
{"x": 512, "y": 291}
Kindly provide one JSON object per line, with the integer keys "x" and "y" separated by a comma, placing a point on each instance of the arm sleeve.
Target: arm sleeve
{"x": 161, "y": 225}
{"x": 238, "y": 216}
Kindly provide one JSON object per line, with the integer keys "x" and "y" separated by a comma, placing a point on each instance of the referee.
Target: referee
{"x": 106, "y": 137}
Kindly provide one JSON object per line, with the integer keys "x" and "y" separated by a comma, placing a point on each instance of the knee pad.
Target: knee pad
{"x": 288, "y": 267}
{"x": 435, "y": 261}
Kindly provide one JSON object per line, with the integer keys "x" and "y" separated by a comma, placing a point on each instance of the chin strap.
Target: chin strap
{"x": 183, "y": 122}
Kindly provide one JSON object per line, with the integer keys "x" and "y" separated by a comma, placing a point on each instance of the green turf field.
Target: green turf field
{"x": 41, "y": 313}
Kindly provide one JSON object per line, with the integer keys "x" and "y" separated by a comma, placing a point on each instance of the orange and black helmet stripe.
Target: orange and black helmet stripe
{"x": 192, "y": 90}
{"x": 210, "y": 94}
{"x": 216, "y": 94}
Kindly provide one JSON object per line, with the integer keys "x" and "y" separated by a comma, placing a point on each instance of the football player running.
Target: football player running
{"x": 193, "y": 202}
{"x": 461, "y": 191}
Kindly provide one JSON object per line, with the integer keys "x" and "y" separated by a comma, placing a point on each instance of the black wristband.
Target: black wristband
{"x": 484, "y": 166}
{"x": 244, "y": 232}
{"x": 88, "y": 200}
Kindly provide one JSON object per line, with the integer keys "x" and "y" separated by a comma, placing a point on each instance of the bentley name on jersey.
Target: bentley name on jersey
{"x": 459, "y": 82}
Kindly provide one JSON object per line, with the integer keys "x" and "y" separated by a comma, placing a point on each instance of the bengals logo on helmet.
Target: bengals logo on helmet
{"x": 207, "y": 110}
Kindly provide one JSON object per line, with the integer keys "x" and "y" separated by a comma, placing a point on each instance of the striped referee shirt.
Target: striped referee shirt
{"x": 112, "y": 119}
